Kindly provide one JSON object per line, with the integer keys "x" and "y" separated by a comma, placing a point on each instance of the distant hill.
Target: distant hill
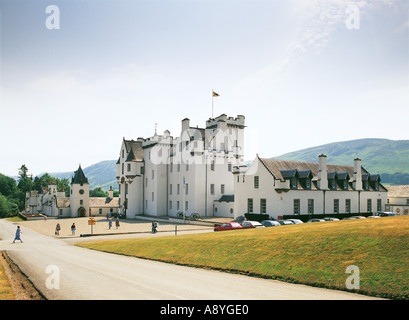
{"x": 389, "y": 158}
{"x": 101, "y": 174}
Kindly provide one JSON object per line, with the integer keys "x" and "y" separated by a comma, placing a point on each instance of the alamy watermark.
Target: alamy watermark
{"x": 52, "y": 22}
{"x": 53, "y": 280}
{"x": 353, "y": 20}
{"x": 352, "y": 282}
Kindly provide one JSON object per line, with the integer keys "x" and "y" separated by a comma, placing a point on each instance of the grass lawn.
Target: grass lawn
{"x": 6, "y": 293}
{"x": 313, "y": 253}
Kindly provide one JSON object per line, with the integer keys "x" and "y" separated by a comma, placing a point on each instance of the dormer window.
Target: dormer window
{"x": 374, "y": 180}
{"x": 332, "y": 180}
{"x": 290, "y": 175}
{"x": 365, "y": 182}
{"x": 305, "y": 178}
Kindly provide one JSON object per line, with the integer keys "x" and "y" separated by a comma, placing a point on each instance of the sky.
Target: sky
{"x": 77, "y": 78}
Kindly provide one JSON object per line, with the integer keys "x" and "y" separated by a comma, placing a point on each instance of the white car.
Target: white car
{"x": 251, "y": 224}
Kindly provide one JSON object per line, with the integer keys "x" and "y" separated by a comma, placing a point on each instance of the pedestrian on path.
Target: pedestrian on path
{"x": 117, "y": 223}
{"x": 73, "y": 228}
{"x": 154, "y": 226}
{"x": 57, "y": 229}
{"x": 17, "y": 237}
{"x": 110, "y": 223}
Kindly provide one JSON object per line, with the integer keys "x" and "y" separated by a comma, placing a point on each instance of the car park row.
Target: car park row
{"x": 272, "y": 223}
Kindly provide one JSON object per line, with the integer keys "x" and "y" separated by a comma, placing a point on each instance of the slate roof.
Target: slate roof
{"x": 401, "y": 191}
{"x": 284, "y": 169}
{"x": 134, "y": 150}
{"x": 103, "y": 202}
{"x": 79, "y": 177}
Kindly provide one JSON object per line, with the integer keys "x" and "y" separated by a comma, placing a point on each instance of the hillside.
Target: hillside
{"x": 101, "y": 174}
{"x": 389, "y": 158}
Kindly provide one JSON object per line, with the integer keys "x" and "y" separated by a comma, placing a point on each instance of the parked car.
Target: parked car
{"x": 284, "y": 222}
{"x": 270, "y": 223}
{"x": 330, "y": 219}
{"x": 387, "y": 214}
{"x": 373, "y": 217}
{"x": 354, "y": 217}
{"x": 251, "y": 224}
{"x": 295, "y": 221}
{"x": 316, "y": 220}
{"x": 228, "y": 226}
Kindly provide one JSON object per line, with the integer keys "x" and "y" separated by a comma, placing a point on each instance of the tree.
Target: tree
{"x": 25, "y": 182}
{"x": 8, "y": 186}
{"x": 7, "y": 208}
{"x": 98, "y": 192}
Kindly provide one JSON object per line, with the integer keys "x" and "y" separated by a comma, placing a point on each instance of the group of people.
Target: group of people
{"x": 117, "y": 225}
{"x": 58, "y": 228}
{"x": 73, "y": 228}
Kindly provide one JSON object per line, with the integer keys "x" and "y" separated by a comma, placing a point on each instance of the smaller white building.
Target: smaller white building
{"x": 53, "y": 203}
{"x": 398, "y": 199}
{"x": 280, "y": 187}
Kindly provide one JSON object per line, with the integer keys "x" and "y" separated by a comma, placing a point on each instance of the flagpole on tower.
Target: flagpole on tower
{"x": 212, "y": 102}
{"x": 214, "y": 94}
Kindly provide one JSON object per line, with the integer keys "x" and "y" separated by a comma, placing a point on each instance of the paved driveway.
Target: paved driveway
{"x": 63, "y": 271}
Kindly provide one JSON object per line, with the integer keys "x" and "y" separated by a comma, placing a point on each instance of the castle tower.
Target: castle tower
{"x": 79, "y": 194}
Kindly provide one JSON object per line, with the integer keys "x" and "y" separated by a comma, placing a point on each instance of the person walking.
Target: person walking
{"x": 57, "y": 229}
{"x": 110, "y": 223}
{"x": 18, "y": 235}
{"x": 117, "y": 223}
{"x": 73, "y": 228}
{"x": 154, "y": 226}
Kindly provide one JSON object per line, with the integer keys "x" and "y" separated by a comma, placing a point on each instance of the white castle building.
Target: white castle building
{"x": 191, "y": 173}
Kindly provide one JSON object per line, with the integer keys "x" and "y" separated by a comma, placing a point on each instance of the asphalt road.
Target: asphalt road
{"x": 62, "y": 271}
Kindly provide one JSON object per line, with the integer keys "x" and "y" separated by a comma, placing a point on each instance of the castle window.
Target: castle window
{"x": 263, "y": 205}
{"x": 212, "y": 189}
{"x": 296, "y": 206}
{"x": 250, "y": 205}
{"x": 369, "y": 205}
{"x": 222, "y": 189}
{"x": 256, "y": 182}
{"x": 347, "y": 205}
{"x": 311, "y": 206}
{"x": 336, "y": 205}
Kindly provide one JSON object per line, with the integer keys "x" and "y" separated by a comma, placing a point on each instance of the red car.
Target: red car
{"x": 228, "y": 226}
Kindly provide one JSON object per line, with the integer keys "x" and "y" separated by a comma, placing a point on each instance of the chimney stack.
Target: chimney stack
{"x": 322, "y": 172}
{"x": 185, "y": 124}
{"x": 111, "y": 192}
{"x": 357, "y": 174}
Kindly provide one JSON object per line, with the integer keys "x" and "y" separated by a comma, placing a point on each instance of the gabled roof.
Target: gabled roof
{"x": 79, "y": 177}
{"x": 282, "y": 169}
{"x": 134, "y": 150}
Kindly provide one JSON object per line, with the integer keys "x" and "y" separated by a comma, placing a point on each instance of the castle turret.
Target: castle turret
{"x": 79, "y": 194}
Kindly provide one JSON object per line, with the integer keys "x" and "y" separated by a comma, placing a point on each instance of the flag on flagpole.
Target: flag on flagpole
{"x": 215, "y": 94}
